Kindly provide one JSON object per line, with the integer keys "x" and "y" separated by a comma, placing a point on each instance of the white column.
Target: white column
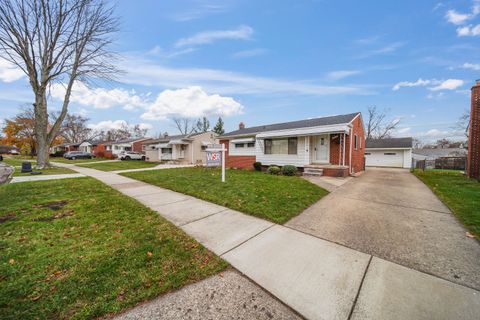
{"x": 343, "y": 155}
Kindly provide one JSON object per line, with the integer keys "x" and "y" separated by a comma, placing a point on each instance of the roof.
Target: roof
{"x": 129, "y": 140}
{"x": 174, "y": 137}
{"x": 316, "y": 122}
{"x": 441, "y": 152}
{"x": 387, "y": 143}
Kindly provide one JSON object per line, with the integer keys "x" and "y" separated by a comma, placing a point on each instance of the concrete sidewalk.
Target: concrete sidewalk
{"x": 46, "y": 177}
{"x": 317, "y": 278}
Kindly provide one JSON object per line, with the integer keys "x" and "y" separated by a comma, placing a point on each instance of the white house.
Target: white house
{"x": 391, "y": 152}
{"x": 189, "y": 148}
{"x": 132, "y": 144}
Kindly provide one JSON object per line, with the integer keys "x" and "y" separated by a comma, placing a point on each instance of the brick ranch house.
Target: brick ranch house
{"x": 332, "y": 146}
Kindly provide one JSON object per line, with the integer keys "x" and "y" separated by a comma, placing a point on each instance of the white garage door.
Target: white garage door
{"x": 384, "y": 158}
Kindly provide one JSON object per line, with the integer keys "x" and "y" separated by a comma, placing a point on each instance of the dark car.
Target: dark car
{"x": 72, "y": 155}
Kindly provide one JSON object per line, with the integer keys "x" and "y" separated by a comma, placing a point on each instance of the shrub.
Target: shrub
{"x": 258, "y": 166}
{"x": 289, "y": 170}
{"x": 273, "y": 170}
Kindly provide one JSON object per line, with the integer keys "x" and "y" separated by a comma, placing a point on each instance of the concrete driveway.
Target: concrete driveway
{"x": 390, "y": 214}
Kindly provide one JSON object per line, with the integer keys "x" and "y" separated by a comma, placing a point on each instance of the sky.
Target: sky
{"x": 264, "y": 62}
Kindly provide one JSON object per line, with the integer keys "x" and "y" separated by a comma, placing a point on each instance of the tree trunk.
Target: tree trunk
{"x": 41, "y": 129}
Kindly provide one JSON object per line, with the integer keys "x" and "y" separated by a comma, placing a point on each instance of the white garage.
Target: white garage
{"x": 392, "y": 152}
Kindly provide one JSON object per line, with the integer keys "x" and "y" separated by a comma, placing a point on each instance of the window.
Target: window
{"x": 390, "y": 153}
{"x": 251, "y": 145}
{"x": 239, "y": 145}
{"x": 281, "y": 146}
{"x": 360, "y": 143}
{"x": 355, "y": 142}
{"x": 292, "y": 145}
{"x": 204, "y": 148}
{"x": 367, "y": 153}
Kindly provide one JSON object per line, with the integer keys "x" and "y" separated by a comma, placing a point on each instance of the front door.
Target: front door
{"x": 322, "y": 149}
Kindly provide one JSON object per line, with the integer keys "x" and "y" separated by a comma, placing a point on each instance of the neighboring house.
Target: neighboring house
{"x": 103, "y": 149}
{"x": 132, "y": 144}
{"x": 87, "y": 146}
{"x": 391, "y": 152}
{"x": 8, "y": 150}
{"x": 332, "y": 145}
{"x": 435, "y": 153}
{"x": 64, "y": 147}
{"x": 188, "y": 148}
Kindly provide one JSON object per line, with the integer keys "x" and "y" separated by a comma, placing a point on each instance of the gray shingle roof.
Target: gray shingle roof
{"x": 316, "y": 122}
{"x": 389, "y": 143}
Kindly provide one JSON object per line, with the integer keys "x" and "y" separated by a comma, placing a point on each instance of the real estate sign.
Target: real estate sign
{"x": 214, "y": 158}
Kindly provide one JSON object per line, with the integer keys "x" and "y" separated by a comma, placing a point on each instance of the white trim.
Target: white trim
{"x": 351, "y": 151}
{"x": 387, "y": 148}
{"x": 309, "y": 131}
{"x": 343, "y": 142}
{"x": 246, "y": 140}
{"x": 327, "y": 142}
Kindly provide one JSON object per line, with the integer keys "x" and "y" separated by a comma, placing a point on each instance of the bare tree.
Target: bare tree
{"x": 202, "y": 125}
{"x": 56, "y": 41}
{"x": 463, "y": 122}
{"x": 183, "y": 125}
{"x": 75, "y": 130}
{"x": 378, "y": 126}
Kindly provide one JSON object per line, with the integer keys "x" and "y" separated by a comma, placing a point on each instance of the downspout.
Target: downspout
{"x": 191, "y": 146}
{"x": 351, "y": 151}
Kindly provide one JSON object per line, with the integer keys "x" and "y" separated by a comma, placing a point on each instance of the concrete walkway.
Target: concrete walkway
{"x": 46, "y": 177}
{"x": 317, "y": 278}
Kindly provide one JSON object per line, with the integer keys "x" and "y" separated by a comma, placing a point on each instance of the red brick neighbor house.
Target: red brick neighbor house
{"x": 332, "y": 146}
{"x": 473, "y": 158}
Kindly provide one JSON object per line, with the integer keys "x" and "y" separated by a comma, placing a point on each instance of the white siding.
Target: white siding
{"x": 299, "y": 160}
{"x": 407, "y": 158}
{"x": 245, "y": 151}
{"x": 402, "y": 158}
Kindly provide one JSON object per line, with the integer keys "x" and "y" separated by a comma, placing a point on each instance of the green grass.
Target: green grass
{"x": 53, "y": 170}
{"x": 66, "y": 252}
{"x": 63, "y": 160}
{"x": 275, "y": 198}
{"x": 459, "y": 193}
{"x": 16, "y": 161}
{"x": 120, "y": 165}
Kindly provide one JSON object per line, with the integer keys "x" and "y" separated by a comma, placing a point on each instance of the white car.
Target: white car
{"x": 131, "y": 155}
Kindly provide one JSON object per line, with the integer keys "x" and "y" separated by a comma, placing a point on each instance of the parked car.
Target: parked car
{"x": 131, "y": 155}
{"x": 72, "y": 155}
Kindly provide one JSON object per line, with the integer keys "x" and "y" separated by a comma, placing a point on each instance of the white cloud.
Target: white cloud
{"x": 9, "y": 72}
{"x": 469, "y": 31}
{"x": 142, "y": 71}
{"x": 190, "y": 102}
{"x": 419, "y": 82}
{"x": 472, "y": 66}
{"x": 201, "y": 9}
{"x": 101, "y": 98}
{"x": 458, "y": 18}
{"x": 389, "y": 48}
{"x": 341, "y": 74}
{"x": 450, "y": 84}
{"x": 116, "y": 124}
{"x": 249, "y": 53}
{"x": 241, "y": 33}
{"x": 434, "y": 85}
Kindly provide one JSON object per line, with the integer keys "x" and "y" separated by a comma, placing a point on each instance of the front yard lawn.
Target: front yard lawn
{"x": 275, "y": 198}
{"x": 16, "y": 161}
{"x": 459, "y": 193}
{"x": 66, "y": 252}
{"x": 120, "y": 165}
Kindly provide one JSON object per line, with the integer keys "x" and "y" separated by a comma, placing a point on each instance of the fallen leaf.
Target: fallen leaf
{"x": 149, "y": 254}
{"x": 470, "y": 235}
{"x": 11, "y": 261}
{"x": 36, "y": 297}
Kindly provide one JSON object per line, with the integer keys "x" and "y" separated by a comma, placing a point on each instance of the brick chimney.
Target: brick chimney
{"x": 241, "y": 125}
{"x": 473, "y": 158}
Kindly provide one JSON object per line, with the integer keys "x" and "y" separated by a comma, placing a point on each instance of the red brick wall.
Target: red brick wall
{"x": 101, "y": 152}
{"x": 473, "y": 158}
{"x": 243, "y": 162}
{"x": 137, "y": 146}
{"x": 335, "y": 156}
{"x": 358, "y": 155}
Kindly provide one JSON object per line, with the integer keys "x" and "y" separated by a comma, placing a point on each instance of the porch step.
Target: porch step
{"x": 309, "y": 171}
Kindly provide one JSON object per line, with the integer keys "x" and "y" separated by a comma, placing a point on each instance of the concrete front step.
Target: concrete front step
{"x": 313, "y": 172}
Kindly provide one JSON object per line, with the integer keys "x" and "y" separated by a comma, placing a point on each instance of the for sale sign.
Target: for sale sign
{"x": 214, "y": 158}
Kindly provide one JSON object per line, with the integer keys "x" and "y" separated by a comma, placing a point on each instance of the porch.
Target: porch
{"x": 329, "y": 170}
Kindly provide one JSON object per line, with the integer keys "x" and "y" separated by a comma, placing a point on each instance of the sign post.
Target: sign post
{"x": 216, "y": 157}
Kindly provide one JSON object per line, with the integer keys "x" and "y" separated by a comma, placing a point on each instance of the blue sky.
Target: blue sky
{"x": 263, "y": 62}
